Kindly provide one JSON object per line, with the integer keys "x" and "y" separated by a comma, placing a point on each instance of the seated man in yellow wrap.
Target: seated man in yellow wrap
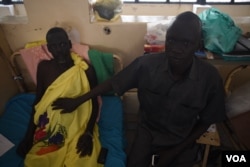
{"x": 55, "y": 138}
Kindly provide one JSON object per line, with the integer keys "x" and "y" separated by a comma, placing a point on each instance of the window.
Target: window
{"x": 9, "y": 2}
{"x": 191, "y": 1}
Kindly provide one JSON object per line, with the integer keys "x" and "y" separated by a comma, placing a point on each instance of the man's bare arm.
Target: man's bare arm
{"x": 70, "y": 104}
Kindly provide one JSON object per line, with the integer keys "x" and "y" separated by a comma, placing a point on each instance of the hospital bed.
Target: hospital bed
{"x": 14, "y": 120}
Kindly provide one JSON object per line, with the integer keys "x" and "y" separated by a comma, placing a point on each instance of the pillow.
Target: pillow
{"x": 34, "y": 52}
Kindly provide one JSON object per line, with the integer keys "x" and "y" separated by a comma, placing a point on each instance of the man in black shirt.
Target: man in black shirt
{"x": 180, "y": 97}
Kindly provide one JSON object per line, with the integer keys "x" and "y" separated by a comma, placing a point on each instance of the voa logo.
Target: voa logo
{"x": 236, "y": 158}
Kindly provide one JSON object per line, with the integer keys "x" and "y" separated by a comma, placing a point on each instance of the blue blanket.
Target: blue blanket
{"x": 13, "y": 125}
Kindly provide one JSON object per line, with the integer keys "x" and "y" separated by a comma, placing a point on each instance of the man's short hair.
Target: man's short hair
{"x": 56, "y": 30}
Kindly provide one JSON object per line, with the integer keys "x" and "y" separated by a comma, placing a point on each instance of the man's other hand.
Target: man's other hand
{"x": 85, "y": 144}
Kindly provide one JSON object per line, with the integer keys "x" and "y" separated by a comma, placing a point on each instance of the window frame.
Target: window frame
{"x": 199, "y": 2}
{"x": 10, "y": 2}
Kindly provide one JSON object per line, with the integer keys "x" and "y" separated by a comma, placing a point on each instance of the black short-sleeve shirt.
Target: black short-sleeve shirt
{"x": 173, "y": 107}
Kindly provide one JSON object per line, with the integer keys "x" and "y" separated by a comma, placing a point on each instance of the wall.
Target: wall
{"x": 47, "y": 13}
{"x": 8, "y": 87}
{"x": 126, "y": 39}
{"x": 174, "y": 9}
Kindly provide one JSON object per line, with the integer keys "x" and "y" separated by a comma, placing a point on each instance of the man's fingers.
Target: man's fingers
{"x": 58, "y": 102}
{"x": 78, "y": 151}
{"x": 56, "y": 107}
{"x": 64, "y": 112}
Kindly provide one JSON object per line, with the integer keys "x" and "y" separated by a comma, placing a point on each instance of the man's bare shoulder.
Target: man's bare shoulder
{"x": 46, "y": 63}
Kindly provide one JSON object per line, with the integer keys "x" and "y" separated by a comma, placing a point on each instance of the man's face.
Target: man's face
{"x": 182, "y": 40}
{"x": 59, "y": 46}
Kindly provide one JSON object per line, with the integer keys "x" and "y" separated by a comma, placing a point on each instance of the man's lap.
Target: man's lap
{"x": 142, "y": 151}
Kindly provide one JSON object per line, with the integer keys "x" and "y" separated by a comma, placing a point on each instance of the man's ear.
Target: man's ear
{"x": 49, "y": 48}
{"x": 70, "y": 44}
{"x": 201, "y": 45}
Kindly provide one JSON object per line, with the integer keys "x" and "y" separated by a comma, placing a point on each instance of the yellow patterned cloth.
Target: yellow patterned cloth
{"x": 57, "y": 134}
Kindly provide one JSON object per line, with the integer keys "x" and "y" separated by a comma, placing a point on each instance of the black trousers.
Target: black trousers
{"x": 142, "y": 151}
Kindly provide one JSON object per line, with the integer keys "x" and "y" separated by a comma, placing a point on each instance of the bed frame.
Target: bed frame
{"x": 27, "y": 87}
